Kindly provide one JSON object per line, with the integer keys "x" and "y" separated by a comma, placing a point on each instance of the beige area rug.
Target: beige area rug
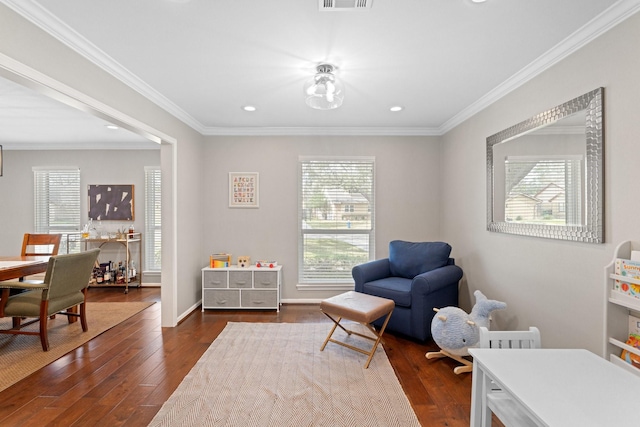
{"x": 22, "y": 355}
{"x": 274, "y": 374}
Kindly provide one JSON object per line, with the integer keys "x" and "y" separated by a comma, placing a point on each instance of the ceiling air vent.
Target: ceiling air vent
{"x": 334, "y": 5}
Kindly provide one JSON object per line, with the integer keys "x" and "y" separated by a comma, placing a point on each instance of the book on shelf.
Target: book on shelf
{"x": 631, "y": 269}
{"x": 634, "y": 341}
{"x": 219, "y": 260}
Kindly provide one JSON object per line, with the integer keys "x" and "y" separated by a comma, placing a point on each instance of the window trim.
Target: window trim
{"x": 332, "y": 285}
{"x": 40, "y": 226}
{"x": 150, "y": 214}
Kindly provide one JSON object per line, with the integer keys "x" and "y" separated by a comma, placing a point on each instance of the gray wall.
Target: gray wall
{"x": 554, "y": 285}
{"x": 408, "y": 188}
{"x": 557, "y": 286}
{"x": 96, "y": 167}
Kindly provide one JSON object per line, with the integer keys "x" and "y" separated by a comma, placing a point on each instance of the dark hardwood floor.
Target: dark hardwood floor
{"x": 123, "y": 376}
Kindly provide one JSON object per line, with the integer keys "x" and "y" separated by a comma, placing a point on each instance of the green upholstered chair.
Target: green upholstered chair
{"x": 64, "y": 287}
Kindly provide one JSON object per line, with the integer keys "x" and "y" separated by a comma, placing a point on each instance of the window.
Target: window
{"x": 536, "y": 189}
{"x": 336, "y": 218}
{"x": 57, "y": 203}
{"x": 153, "y": 218}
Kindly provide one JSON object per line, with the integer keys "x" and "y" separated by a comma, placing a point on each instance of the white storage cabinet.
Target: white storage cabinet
{"x": 241, "y": 288}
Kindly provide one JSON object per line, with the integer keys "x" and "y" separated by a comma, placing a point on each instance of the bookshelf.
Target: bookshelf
{"x": 618, "y": 307}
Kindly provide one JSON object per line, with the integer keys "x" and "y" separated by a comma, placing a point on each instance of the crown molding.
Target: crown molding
{"x": 599, "y": 25}
{"x": 320, "y": 131}
{"x": 42, "y": 18}
{"x": 38, "y": 146}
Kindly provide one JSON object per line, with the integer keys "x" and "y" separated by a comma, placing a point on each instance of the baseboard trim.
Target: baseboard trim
{"x": 301, "y": 300}
{"x": 190, "y": 310}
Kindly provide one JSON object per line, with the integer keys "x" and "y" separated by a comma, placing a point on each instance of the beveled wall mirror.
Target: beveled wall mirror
{"x": 545, "y": 174}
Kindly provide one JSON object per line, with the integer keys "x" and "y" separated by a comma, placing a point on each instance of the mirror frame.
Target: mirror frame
{"x": 592, "y": 230}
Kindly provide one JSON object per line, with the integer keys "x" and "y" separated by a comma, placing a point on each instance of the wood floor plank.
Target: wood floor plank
{"x": 123, "y": 376}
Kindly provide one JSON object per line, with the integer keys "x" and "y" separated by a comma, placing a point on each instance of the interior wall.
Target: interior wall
{"x": 96, "y": 167}
{"x": 29, "y": 45}
{"x": 557, "y": 286}
{"x": 408, "y": 186}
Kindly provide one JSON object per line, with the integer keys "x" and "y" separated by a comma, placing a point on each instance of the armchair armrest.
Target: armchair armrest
{"x": 369, "y": 271}
{"x": 434, "y": 280}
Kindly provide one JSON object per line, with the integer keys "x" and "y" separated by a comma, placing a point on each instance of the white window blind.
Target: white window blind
{"x": 57, "y": 202}
{"x": 153, "y": 218}
{"x": 544, "y": 190}
{"x": 336, "y": 218}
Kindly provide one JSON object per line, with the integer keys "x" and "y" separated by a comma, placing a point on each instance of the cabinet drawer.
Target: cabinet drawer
{"x": 265, "y": 279}
{"x": 215, "y": 279}
{"x": 221, "y": 298}
{"x": 240, "y": 279}
{"x": 260, "y": 299}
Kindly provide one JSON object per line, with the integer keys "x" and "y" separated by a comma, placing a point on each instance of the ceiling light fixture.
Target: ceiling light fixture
{"x": 396, "y": 108}
{"x": 249, "y": 108}
{"x": 324, "y": 91}
{"x": 111, "y": 127}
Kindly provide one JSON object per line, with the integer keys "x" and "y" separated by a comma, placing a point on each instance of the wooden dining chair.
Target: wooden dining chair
{"x": 64, "y": 287}
{"x": 40, "y": 245}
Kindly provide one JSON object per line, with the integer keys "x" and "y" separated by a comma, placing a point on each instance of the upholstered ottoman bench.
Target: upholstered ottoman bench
{"x": 361, "y": 308}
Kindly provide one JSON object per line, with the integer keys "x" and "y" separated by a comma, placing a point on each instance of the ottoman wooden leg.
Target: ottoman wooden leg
{"x": 377, "y": 339}
{"x": 379, "y": 335}
{"x": 335, "y": 324}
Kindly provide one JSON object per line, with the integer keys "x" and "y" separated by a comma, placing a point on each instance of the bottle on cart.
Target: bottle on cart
{"x": 99, "y": 277}
{"x": 120, "y": 274}
{"x": 132, "y": 271}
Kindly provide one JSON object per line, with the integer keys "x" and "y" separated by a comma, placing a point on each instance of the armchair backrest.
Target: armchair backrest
{"x": 69, "y": 273}
{"x": 408, "y": 259}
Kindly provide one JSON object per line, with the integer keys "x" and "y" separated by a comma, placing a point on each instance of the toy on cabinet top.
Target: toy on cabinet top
{"x": 266, "y": 264}
{"x": 455, "y": 331}
{"x": 244, "y": 261}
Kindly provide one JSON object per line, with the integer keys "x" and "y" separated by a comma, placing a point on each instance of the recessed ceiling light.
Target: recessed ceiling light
{"x": 249, "y": 108}
{"x": 112, "y": 127}
{"x": 396, "y": 108}
{"x": 478, "y": 1}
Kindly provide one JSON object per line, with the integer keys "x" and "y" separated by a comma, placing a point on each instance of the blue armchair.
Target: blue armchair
{"x": 418, "y": 277}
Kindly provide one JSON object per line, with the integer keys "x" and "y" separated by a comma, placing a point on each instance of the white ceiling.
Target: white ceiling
{"x": 202, "y": 60}
{"x": 32, "y": 121}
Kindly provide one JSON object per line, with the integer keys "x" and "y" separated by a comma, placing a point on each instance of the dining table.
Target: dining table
{"x": 14, "y": 267}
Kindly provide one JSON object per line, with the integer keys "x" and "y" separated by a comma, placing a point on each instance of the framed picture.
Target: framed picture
{"x": 111, "y": 202}
{"x": 243, "y": 190}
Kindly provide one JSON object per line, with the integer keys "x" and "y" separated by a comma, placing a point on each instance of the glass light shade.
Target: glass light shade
{"x": 324, "y": 92}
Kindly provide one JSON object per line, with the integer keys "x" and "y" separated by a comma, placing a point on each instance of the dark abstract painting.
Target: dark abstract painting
{"x": 111, "y": 202}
